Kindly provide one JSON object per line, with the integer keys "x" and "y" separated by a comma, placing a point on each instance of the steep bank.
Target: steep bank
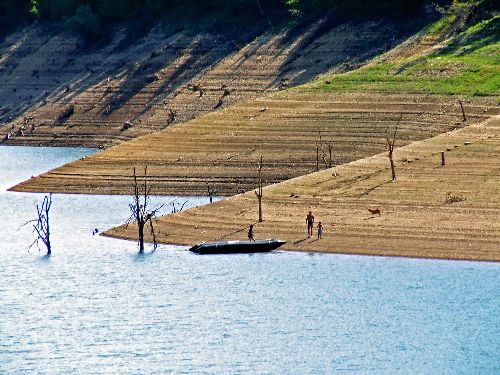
{"x": 55, "y": 90}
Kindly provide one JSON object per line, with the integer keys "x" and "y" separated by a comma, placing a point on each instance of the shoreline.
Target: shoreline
{"x": 283, "y": 249}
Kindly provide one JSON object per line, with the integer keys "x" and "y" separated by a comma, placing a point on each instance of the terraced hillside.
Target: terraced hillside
{"x": 56, "y": 91}
{"x": 439, "y": 89}
{"x": 222, "y": 148}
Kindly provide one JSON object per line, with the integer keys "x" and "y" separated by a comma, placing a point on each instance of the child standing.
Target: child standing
{"x": 320, "y": 230}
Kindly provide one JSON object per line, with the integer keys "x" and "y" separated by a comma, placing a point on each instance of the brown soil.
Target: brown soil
{"x": 430, "y": 211}
{"x": 135, "y": 86}
{"x": 222, "y": 148}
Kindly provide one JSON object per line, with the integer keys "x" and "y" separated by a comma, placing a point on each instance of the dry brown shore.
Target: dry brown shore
{"x": 430, "y": 211}
{"x": 222, "y": 148}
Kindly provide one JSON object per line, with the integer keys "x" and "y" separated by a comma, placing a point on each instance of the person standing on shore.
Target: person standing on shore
{"x": 320, "y": 231}
{"x": 310, "y": 224}
{"x": 250, "y": 234}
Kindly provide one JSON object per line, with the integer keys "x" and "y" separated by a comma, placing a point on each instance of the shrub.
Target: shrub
{"x": 85, "y": 21}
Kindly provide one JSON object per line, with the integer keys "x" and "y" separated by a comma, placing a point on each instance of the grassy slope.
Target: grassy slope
{"x": 466, "y": 64}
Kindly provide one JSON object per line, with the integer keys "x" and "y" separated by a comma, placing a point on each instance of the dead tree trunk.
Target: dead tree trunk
{"x": 211, "y": 193}
{"x": 258, "y": 192}
{"x": 390, "y": 148}
{"x": 41, "y": 225}
{"x": 330, "y": 149}
{"x": 140, "y": 212}
{"x": 319, "y": 145}
{"x": 140, "y": 225}
{"x": 463, "y": 111}
{"x": 317, "y": 158}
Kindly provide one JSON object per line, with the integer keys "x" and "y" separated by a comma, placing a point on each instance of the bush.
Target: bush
{"x": 85, "y": 22}
{"x": 87, "y": 16}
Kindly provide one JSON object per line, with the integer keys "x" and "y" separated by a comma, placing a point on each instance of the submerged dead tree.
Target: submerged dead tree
{"x": 258, "y": 192}
{"x": 41, "y": 224}
{"x": 211, "y": 192}
{"x": 175, "y": 209}
{"x": 140, "y": 211}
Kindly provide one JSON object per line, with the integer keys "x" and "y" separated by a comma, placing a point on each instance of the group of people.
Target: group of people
{"x": 310, "y": 228}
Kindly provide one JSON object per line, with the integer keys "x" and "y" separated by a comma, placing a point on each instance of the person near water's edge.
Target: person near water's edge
{"x": 310, "y": 223}
{"x": 250, "y": 234}
{"x": 320, "y": 231}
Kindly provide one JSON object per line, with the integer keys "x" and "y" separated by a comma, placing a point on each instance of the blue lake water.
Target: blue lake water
{"x": 96, "y": 307}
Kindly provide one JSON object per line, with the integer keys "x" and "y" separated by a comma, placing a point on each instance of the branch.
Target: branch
{"x": 155, "y": 244}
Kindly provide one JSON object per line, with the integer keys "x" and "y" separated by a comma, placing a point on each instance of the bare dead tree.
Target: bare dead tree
{"x": 317, "y": 157}
{"x": 211, "y": 192}
{"x": 259, "y": 192}
{"x": 390, "y": 148}
{"x": 175, "y": 209}
{"x": 41, "y": 224}
{"x": 330, "y": 149}
{"x": 463, "y": 111}
{"x": 319, "y": 146}
{"x": 140, "y": 212}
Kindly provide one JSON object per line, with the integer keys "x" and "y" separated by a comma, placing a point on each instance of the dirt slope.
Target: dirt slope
{"x": 56, "y": 91}
{"x": 430, "y": 211}
{"x": 222, "y": 148}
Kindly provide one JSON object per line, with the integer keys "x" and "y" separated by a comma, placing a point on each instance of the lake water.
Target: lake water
{"x": 97, "y": 307}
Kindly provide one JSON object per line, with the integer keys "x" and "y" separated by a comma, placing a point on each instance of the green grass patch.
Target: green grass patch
{"x": 469, "y": 65}
{"x": 441, "y": 25}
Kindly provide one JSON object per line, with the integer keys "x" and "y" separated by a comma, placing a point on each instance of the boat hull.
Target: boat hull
{"x": 236, "y": 247}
